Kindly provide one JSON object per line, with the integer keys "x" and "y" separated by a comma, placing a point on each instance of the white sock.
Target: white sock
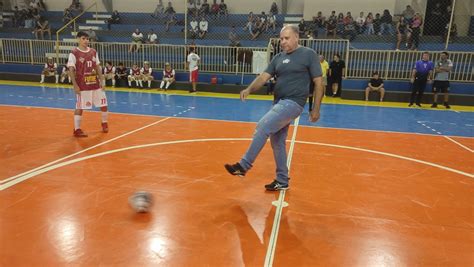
{"x": 42, "y": 78}
{"x": 140, "y": 83}
{"x": 62, "y": 79}
{"x": 77, "y": 121}
{"x": 105, "y": 116}
{"x": 113, "y": 82}
{"x": 161, "y": 84}
{"x": 167, "y": 85}
{"x": 130, "y": 83}
{"x": 57, "y": 78}
{"x": 149, "y": 84}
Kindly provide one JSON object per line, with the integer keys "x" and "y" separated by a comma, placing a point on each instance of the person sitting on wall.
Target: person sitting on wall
{"x": 375, "y": 85}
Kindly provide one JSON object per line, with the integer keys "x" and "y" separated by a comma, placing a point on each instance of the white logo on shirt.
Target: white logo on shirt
{"x": 286, "y": 61}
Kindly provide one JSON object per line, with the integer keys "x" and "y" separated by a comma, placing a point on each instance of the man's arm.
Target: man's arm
{"x": 98, "y": 69}
{"x": 255, "y": 85}
{"x": 72, "y": 74}
{"x": 319, "y": 92}
{"x": 413, "y": 74}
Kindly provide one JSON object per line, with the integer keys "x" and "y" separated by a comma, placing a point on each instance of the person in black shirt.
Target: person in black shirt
{"x": 121, "y": 74}
{"x": 375, "y": 85}
{"x": 336, "y": 73}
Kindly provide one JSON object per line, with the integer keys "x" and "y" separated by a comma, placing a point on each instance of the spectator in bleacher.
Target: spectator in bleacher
{"x": 271, "y": 22}
{"x": 331, "y": 25}
{"x": 250, "y": 22}
{"x": 205, "y": 9}
{"x": 214, "y": 8}
{"x": 421, "y": 74}
{"x": 50, "y": 69}
{"x": 319, "y": 20}
{"x": 192, "y": 9}
{"x": 30, "y": 19}
{"x": 408, "y": 14}
{"x": 302, "y": 28}
{"x": 171, "y": 18}
{"x": 257, "y": 29}
{"x": 67, "y": 16}
{"x": 168, "y": 77}
{"x": 386, "y": 23}
{"x": 76, "y": 6}
{"x": 42, "y": 26}
{"x": 194, "y": 28}
{"x": 121, "y": 74}
{"x": 360, "y": 23}
{"x": 159, "y": 10}
{"x": 377, "y": 24}
{"x": 402, "y": 31}
{"x": 349, "y": 27}
{"x": 137, "y": 40}
{"x": 203, "y": 27}
{"x": 340, "y": 24}
{"x": 453, "y": 34}
{"x": 92, "y": 35}
{"x": 16, "y": 21}
{"x": 441, "y": 81}
{"x": 369, "y": 24}
{"x": 274, "y": 9}
{"x": 146, "y": 74}
{"x": 233, "y": 38}
{"x": 114, "y": 19}
{"x": 336, "y": 74}
{"x": 415, "y": 26}
{"x": 109, "y": 73}
{"x": 135, "y": 76}
{"x": 151, "y": 37}
{"x": 375, "y": 85}
{"x": 263, "y": 21}
{"x": 223, "y": 8}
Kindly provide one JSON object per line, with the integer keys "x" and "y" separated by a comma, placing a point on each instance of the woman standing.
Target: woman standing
{"x": 336, "y": 73}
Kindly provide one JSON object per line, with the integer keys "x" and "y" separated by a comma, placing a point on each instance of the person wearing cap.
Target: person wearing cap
{"x": 168, "y": 76}
{"x": 50, "y": 69}
{"x": 146, "y": 73}
{"x": 375, "y": 85}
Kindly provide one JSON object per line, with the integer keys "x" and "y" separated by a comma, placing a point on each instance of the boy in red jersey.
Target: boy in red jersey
{"x": 50, "y": 69}
{"x": 86, "y": 75}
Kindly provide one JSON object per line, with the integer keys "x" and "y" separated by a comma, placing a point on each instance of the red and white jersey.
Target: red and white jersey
{"x": 85, "y": 63}
{"x": 135, "y": 71}
{"x": 109, "y": 70}
{"x": 51, "y": 67}
{"x": 169, "y": 74}
{"x": 146, "y": 71}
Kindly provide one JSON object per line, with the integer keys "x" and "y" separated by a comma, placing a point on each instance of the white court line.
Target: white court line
{"x": 270, "y": 255}
{"x": 65, "y": 163}
{"x": 81, "y": 151}
{"x": 459, "y": 144}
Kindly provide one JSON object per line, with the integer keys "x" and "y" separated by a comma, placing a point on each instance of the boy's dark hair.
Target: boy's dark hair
{"x": 444, "y": 52}
{"x": 375, "y": 73}
{"x": 108, "y": 62}
{"x": 120, "y": 63}
{"x": 81, "y": 34}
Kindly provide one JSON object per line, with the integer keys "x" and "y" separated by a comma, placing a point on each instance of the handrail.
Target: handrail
{"x": 73, "y": 21}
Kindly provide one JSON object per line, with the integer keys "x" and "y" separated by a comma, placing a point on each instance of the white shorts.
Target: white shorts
{"x": 86, "y": 99}
{"x": 133, "y": 78}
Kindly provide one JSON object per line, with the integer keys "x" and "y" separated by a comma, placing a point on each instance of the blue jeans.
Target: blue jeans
{"x": 273, "y": 124}
{"x": 386, "y": 28}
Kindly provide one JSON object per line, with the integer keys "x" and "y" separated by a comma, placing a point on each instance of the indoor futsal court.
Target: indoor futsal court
{"x": 371, "y": 184}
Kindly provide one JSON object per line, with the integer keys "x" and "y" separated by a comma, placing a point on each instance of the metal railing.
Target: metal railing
{"x": 392, "y": 65}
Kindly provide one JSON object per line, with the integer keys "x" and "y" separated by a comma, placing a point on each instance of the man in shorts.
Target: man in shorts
{"x": 193, "y": 61}
{"x": 146, "y": 73}
{"x": 168, "y": 76}
{"x": 135, "y": 76}
{"x": 375, "y": 85}
{"x": 109, "y": 73}
{"x": 441, "y": 81}
{"x": 50, "y": 69}
{"x": 86, "y": 75}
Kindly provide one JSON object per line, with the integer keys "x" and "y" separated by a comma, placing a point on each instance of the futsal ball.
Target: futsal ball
{"x": 141, "y": 201}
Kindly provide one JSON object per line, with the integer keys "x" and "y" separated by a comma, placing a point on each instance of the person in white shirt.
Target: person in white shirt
{"x": 203, "y": 26}
{"x": 137, "y": 39}
{"x": 146, "y": 73}
{"x": 168, "y": 76}
{"x": 51, "y": 69}
{"x": 151, "y": 37}
{"x": 109, "y": 73}
{"x": 360, "y": 23}
{"x": 194, "y": 28}
{"x": 193, "y": 61}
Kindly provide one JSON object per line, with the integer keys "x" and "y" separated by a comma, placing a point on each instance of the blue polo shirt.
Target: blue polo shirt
{"x": 423, "y": 68}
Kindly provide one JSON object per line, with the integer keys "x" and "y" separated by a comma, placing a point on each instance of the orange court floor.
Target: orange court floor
{"x": 357, "y": 198}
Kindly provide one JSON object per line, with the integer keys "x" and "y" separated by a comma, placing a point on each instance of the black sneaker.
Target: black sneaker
{"x": 235, "y": 169}
{"x": 447, "y": 105}
{"x": 410, "y": 105}
{"x": 275, "y": 186}
{"x": 419, "y": 105}
{"x": 435, "y": 105}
